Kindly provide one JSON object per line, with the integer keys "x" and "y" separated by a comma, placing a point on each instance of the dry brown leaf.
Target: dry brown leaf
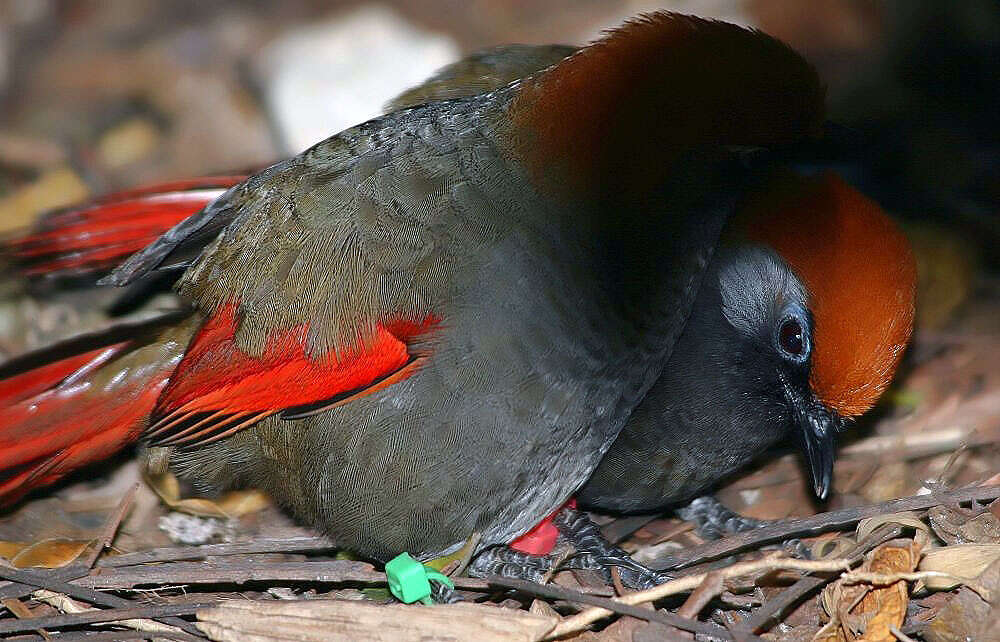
{"x": 57, "y": 187}
{"x": 909, "y": 519}
{"x": 831, "y": 632}
{"x": 959, "y": 527}
{"x": 968, "y": 616}
{"x": 962, "y": 560}
{"x": 232, "y": 504}
{"x": 53, "y": 552}
{"x": 867, "y": 613}
{"x": 888, "y": 604}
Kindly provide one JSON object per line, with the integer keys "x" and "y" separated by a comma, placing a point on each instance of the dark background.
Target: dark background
{"x": 122, "y": 92}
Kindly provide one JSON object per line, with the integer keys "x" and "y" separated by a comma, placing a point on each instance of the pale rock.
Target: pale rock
{"x": 321, "y": 79}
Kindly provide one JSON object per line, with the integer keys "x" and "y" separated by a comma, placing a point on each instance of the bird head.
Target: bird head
{"x": 830, "y": 320}
{"x": 828, "y": 275}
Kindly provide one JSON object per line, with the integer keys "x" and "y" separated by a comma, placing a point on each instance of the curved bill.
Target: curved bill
{"x": 819, "y": 428}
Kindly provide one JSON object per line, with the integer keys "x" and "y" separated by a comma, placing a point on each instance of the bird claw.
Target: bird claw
{"x": 797, "y": 549}
{"x": 441, "y": 593}
{"x": 595, "y": 552}
{"x": 713, "y": 520}
{"x": 630, "y": 573}
{"x": 506, "y": 562}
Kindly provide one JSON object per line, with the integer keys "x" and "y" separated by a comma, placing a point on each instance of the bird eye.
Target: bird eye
{"x": 792, "y": 338}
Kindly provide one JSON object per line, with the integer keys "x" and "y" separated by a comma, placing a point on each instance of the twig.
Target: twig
{"x": 115, "y": 636}
{"x": 555, "y": 592}
{"x": 922, "y": 444}
{"x": 233, "y": 572}
{"x": 711, "y": 586}
{"x": 70, "y": 606}
{"x": 242, "y": 571}
{"x": 683, "y": 527}
{"x": 820, "y": 523}
{"x": 64, "y": 574}
{"x": 40, "y": 580}
{"x": 177, "y": 553}
{"x": 111, "y": 526}
{"x": 616, "y": 579}
{"x": 884, "y": 579}
{"x": 620, "y": 529}
{"x": 739, "y": 630}
{"x": 806, "y": 585}
{"x": 682, "y": 584}
{"x": 155, "y": 612}
{"x": 902, "y": 637}
{"x": 16, "y": 607}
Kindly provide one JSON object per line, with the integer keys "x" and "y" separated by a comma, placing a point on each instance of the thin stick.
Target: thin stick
{"x": 808, "y": 584}
{"x": 663, "y": 617}
{"x": 683, "y": 584}
{"x": 39, "y": 580}
{"x": 620, "y": 529}
{"x": 111, "y": 526}
{"x": 70, "y": 606}
{"x": 820, "y": 523}
{"x": 115, "y": 636}
{"x": 177, "y": 553}
{"x": 16, "y": 607}
{"x": 712, "y": 586}
{"x": 884, "y": 579}
{"x": 156, "y": 612}
{"x": 242, "y": 571}
{"x": 64, "y": 574}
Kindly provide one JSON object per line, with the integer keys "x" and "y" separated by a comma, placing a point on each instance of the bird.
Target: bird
{"x": 433, "y": 326}
{"x": 841, "y": 302}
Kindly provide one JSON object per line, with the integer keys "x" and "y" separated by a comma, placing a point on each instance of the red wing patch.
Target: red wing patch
{"x": 218, "y": 389}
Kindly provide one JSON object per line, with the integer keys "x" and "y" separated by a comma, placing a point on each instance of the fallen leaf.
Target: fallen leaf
{"x": 961, "y": 560}
{"x": 888, "y": 603}
{"x": 231, "y": 504}
{"x": 959, "y": 527}
{"x": 968, "y": 616}
{"x": 55, "y": 188}
{"x": 53, "y": 552}
{"x": 867, "y": 613}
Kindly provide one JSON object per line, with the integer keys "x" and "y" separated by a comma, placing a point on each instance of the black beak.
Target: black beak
{"x": 819, "y": 428}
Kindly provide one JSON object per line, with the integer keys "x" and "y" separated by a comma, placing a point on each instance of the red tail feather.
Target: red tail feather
{"x": 99, "y": 235}
{"x": 33, "y": 382}
{"x": 78, "y": 410}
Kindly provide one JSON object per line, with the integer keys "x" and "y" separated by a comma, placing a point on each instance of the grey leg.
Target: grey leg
{"x": 443, "y": 594}
{"x": 714, "y": 521}
{"x": 506, "y": 562}
{"x": 594, "y": 552}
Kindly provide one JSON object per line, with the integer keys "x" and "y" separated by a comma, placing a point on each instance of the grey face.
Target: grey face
{"x": 767, "y": 305}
